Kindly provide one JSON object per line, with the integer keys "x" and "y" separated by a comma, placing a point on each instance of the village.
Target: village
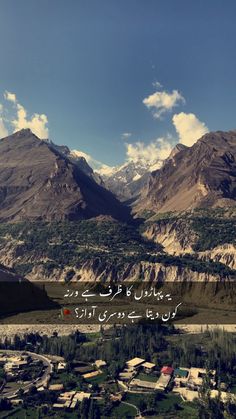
{"x": 30, "y": 373}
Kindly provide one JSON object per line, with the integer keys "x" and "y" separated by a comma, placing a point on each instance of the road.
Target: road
{"x": 42, "y": 381}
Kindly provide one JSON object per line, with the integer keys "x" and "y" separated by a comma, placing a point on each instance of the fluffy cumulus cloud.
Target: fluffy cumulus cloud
{"x": 38, "y": 123}
{"x": 152, "y": 153}
{"x": 161, "y": 102}
{"x": 3, "y": 129}
{"x": 10, "y": 96}
{"x": 189, "y": 128}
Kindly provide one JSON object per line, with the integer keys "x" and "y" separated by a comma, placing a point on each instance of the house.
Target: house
{"x": 83, "y": 370}
{"x": 56, "y": 387}
{"x": 70, "y": 399}
{"x": 81, "y": 395}
{"x": 167, "y": 370}
{"x": 181, "y": 372}
{"x": 134, "y": 363}
{"x": 181, "y": 376}
{"x": 192, "y": 377}
{"x": 141, "y": 385}
{"x": 163, "y": 382}
{"x": 100, "y": 363}
{"x": 92, "y": 374}
{"x": 196, "y": 376}
{"x": 61, "y": 366}
{"x": 58, "y": 406}
{"x": 15, "y": 363}
{"x": 82, "y": 367}
{"x": 190, "y": 395}
{"x": 66, "y": 396}
{"x": 9, "y": 366}
{"x": 126, "y": 375}
{"x": 148, "y": 367}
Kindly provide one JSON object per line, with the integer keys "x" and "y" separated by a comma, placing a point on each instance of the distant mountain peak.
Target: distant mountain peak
{"x": 127, "y": 181}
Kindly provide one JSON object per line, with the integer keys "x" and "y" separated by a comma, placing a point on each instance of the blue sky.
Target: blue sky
{"x": 89, "y": 66}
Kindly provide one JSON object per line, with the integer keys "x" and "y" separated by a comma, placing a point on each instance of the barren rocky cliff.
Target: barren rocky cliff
{"x": 201, "y": 176}
{"x": 38, "y": 182}
{"x": 166, "y": 250}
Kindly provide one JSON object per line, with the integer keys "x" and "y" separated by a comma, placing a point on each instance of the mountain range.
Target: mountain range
{"x": 40, "y": 180}
{"x": 128, "y": 180}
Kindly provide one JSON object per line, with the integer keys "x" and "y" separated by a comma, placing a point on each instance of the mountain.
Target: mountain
{"x": 127, "y": 180}
{"x": 82, "y": 163}
{"x": 79, "y": 160}
{"x": 38, "y": 182}
{"x": 203, "y": 175}
{"x": 178, "y": 147}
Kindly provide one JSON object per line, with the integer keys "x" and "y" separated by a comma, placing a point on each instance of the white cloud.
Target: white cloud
{"x": 37, "y": 123}
{"x": 3, "y": 130}
{"x": 11, "y": 97}
{"x": 157, "y": 150}
{"x": 161, "y": 102}
{"x": 189, "y": 128}
{"x": 126, "y": 135}
{"x": 105, "y": 170}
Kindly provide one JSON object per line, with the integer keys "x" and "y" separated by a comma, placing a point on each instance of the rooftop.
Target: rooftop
{"x": 140, "y": 383}
{"x": 163, "y": 381}
{"x": 91, "y": 374}
{"x": 67, "y": 395}
{"x": 148, "y": 365}
{"x": 81, "y": 395}
{"x": 100, "y": 363}
{"x": 56, "y": 387}
{"x": 58, "y": 406}
{"x": 181, "y": 372}
{"x": 135, "y": 362}
{"x": 167, "y": 370}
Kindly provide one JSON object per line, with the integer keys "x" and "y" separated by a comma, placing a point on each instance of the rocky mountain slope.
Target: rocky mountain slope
{"x": 209, "y": 235}
{"x": 127, "y": 180}
{"x": 93, "y": 250}
{"x": 203, "y": 175}
{"x": 37, "y": 181}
